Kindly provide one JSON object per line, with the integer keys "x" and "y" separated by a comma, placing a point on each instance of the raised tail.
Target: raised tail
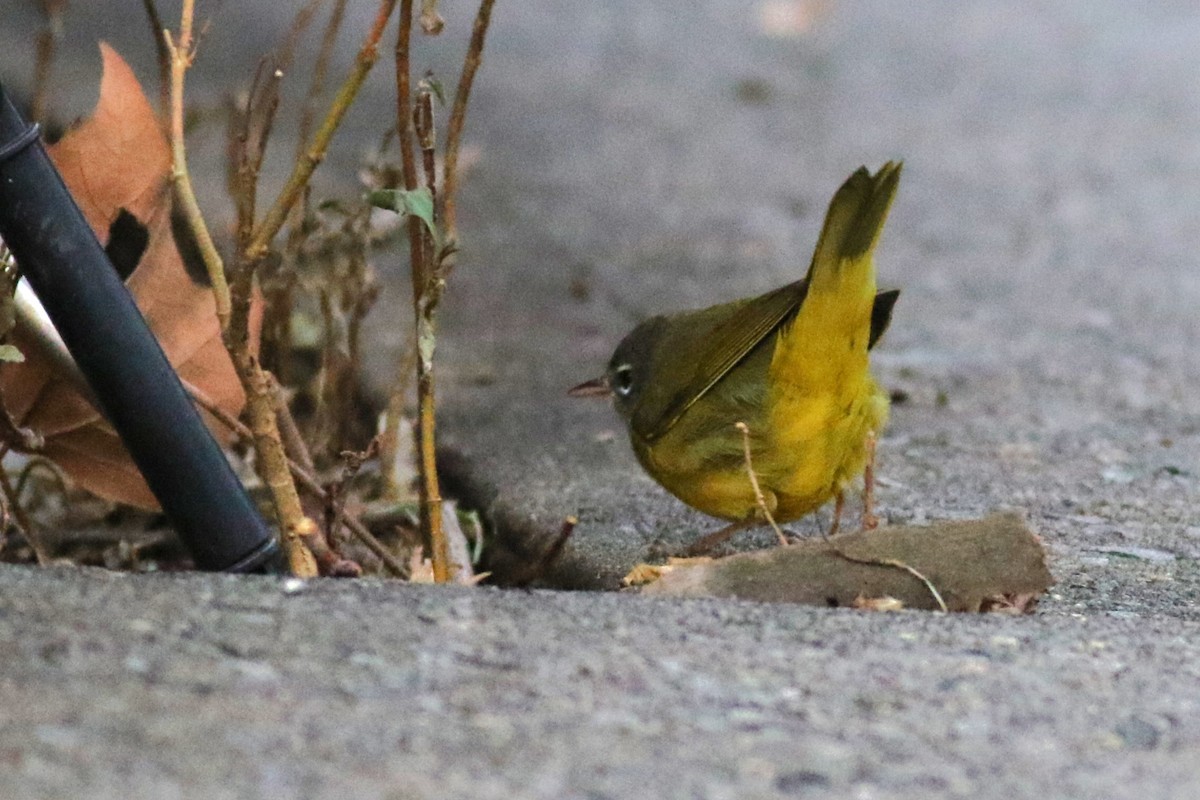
{"x": 826, "y": 342}
{"x": 854, "y": 221}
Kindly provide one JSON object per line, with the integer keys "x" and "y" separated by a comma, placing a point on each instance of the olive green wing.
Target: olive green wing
{"x": 716, "y": 340}
{"x": 715, "y": 345}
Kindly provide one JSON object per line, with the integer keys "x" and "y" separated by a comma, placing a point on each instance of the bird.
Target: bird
{"x": 764, "y": 408}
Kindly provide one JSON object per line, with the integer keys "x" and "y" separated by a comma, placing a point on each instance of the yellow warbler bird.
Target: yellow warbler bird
{"x": 791, "y": 365}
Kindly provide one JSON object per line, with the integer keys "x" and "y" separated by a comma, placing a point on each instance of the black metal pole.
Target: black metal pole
{"x": 137, "y": 388}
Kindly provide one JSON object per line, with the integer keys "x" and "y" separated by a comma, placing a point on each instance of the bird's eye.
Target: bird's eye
{"x": 623, "y": 380}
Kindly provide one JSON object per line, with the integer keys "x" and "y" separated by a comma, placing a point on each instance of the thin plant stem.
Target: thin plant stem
{"x": 458, "y": 117}
{"x": 900, "y": 565}
{"x": 233, "y": 309}
{"x": 289, "y": 431}
{"x": 426, "y": 310}
{"x": 316, "y": 86}
{"x": 181, "y": 55}
{"x": 303, "y": 477}
{"x": 12, "y": 495}
{"x": 422, "y": 269}
{"x": 253, "y": 130}
{"x": 260, "y": 406}
{"x": 47, "y": 46}
{"x": 276, "y": 216}
{"x": 758, "y": 494}
{"x": 429, "y": 267}
{"x": 164, "y": 56}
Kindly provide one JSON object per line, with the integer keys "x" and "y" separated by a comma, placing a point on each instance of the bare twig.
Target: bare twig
{"x": 408, "y": 168}
{"x": 304, "y": 478}
{"x": 352, "y": 463}
{"x": 21, "y": 519}
{"x": 551, "y": 554}
{"x": 289, "y": 432}
{"x": 181, "y": 52}
{"x": 253, "y": 130}
{"x": 47, "y": 44}
{"x": 368, "y": 53}
{"x": 233, "y": 311}
{"x": 895, "y": 564}
{"x": 316, "y": 85}
{"x": 706, "y": 543}
{"x": 423, "y": 125}
{"x": 758, "y": 495}
{"x": 420, "y": 248}
{"x": 328, "y": 561}
{"x": 426, "y": 300}
{"x": 458, "y": 118}
{"x": 164, "y": 56}
{"x": 260, "y": 406}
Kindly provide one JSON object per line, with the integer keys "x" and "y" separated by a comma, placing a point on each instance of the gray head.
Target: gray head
{"x": 628, "y": 370}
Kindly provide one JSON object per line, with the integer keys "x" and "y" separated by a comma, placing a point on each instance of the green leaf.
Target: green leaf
{"x": 405, "y": 202}
{"x": 10, "y": 354}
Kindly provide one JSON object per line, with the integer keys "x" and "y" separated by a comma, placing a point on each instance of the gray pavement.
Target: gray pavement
{"x": 639, "y": 157}
{"x": 195, "y": 686}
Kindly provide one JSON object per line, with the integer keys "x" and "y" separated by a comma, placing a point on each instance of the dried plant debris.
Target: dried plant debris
{"x": 991, "y": 564}
{"x": 117, "y": 164}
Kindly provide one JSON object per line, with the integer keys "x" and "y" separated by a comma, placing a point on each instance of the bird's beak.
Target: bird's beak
{"x": 596, "y": 387}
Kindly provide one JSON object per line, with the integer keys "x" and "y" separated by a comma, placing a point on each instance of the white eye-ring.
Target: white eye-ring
{"x": 623, "y": 380}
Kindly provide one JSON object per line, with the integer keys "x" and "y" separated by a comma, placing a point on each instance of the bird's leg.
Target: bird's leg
{"x": 869, "y": 520}
{"x": 838, "y": 506}
{"x": 765, "y": 503}
{"x": 706, "y": 543}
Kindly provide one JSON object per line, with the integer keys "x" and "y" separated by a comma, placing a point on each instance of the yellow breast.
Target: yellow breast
{"x": 808, "y": 435}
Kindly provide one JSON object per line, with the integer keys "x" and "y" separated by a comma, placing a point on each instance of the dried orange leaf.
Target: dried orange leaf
{"x": 117, "y": 164}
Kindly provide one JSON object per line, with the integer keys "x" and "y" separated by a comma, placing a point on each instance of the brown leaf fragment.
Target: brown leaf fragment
{"x": 971, "y": 563}
{"x": 642, "y": 574}
{"x": 877, "y": 604}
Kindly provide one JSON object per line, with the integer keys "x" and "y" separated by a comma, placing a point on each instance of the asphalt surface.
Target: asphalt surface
{"x": 218, "y": 687}
{"x": 635, "y": 158}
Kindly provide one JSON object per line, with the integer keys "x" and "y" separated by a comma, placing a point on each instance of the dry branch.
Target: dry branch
{"x": 458, "y": 117}
{"x": 420, "y": 255}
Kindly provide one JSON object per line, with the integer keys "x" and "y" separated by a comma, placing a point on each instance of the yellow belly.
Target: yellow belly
{"x": 829, "y": 439}
{"x": 805, "y": 448}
